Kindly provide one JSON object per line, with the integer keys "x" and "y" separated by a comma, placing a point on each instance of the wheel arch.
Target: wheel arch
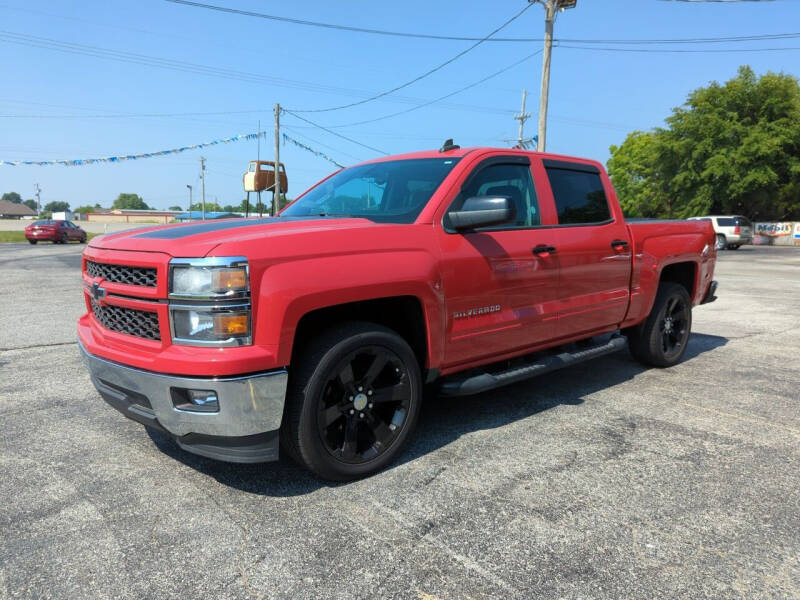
{"x": 682, "y": 273}
{"x": 405, "y": 315}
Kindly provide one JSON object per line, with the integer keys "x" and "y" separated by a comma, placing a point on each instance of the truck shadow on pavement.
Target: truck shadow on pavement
{"x": 444, "y": 420}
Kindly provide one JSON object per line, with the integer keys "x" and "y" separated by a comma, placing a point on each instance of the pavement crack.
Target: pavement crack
{"x": 39, "y": 346}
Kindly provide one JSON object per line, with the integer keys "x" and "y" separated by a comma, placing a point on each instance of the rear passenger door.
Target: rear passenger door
{"x": 593, "y": 249}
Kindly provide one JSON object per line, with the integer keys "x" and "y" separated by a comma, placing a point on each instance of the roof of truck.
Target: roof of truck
{"x": 461, "y": 152}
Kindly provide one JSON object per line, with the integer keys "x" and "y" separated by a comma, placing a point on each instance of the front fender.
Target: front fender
{"x": 290, "y": 290}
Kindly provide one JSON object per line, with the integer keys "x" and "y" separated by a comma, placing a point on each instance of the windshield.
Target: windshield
{"x": 387, "y": 192}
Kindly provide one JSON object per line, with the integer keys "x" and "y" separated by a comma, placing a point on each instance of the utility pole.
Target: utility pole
{"x": 522, "y": 141}
{"x": 203, "y": 180}
{"x": 276, "y": 190}
{"x": 551, "y": 7}
{"x": 190, "y": 201}
{"x": 38, "y": 202}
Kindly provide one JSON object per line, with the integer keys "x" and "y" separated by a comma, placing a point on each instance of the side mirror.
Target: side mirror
{"x": 482, "y": 211}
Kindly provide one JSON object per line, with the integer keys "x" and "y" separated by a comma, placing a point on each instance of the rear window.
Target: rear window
{"x": 45, "y": 222}
{"x": 579, "y": 196}
{"x": 733, "y": 221}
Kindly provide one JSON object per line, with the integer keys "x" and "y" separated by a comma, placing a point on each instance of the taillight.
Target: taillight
{"x": 736, "y": 230}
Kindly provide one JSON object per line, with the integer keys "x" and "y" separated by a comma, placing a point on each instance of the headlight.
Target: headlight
{"x": 213, "y": 307}
{"x": 211, "y": 326}
{"x": 209, "y": 278}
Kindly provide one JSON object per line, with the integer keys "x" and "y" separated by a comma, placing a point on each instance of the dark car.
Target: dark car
{"x": 56, "y": 231}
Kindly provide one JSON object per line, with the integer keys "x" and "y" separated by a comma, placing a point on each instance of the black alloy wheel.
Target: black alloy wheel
{"x": 674, "y": 326}
{"x": 353, "y": 399}
{"x": 364, "y": 405}
{"x": 662, "y": 338}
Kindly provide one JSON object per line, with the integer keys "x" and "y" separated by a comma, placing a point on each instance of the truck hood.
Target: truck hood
{"x": 198, "y": 239}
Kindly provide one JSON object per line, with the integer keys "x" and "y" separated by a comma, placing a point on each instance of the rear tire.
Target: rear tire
{"x": 353, "y": 399}
{"x": 661, "y": 340}
{"x": 32, "y": 242}
{"x": 721, "y": 242}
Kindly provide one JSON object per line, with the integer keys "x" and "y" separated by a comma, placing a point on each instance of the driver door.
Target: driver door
{"x": 500, "y": 294}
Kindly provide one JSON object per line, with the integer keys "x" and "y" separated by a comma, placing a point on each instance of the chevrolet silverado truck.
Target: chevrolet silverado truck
{"x": 315, "y": 332}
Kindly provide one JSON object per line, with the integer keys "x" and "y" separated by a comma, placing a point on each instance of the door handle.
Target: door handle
{"x": 619, "y": 244}
{"x": 544, "y": 249}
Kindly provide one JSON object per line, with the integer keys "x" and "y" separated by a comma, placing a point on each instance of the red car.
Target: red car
{"x": 58, "y": 232}
{"x": 317, "y": 331}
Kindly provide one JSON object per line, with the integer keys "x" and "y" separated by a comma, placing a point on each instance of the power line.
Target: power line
{"x": 677, "y": 50}
{"x": 182, "y": 66}
{"x": 419, "y": 77}
{"x": 114, "y": 55}
{"x": 339, "y": 135}
{"x": 418, "y": 35}
{"x": 248, "y": 13}
{"x": 708, "y": 40}
{"x": 458, "y": 91}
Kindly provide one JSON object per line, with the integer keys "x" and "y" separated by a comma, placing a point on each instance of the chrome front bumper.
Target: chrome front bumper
{"x": 245, "y": 429}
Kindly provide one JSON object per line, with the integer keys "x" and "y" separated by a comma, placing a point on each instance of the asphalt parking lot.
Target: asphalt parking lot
{"x": 603, "y": 480}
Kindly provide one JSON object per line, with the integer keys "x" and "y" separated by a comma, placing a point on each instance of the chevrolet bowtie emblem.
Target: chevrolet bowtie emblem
{"x": 97, "y": 292}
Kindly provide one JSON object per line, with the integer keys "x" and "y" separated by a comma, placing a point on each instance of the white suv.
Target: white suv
{"x": 732, "y": 231}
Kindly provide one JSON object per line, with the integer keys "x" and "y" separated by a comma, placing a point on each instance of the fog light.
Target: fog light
{"x": 194, "y": 400}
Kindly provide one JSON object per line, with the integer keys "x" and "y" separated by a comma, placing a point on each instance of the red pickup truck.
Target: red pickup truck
{"x": 317, "y": 331}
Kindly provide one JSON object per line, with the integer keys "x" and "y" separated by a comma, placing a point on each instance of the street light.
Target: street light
{"x": 190, "y": 201}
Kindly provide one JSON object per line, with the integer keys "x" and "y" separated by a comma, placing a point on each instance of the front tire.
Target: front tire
{"x": 353, "y": 399}
{"x": 32, "y": 242}
{"x": 661, "y": 340}
{"x": 63, "y": 239}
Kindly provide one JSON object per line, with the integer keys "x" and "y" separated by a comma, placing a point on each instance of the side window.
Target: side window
{"x": 579, "y": 196}
{"x": 512, "y": 181}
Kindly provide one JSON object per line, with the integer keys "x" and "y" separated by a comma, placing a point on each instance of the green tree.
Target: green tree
{"x": 87, "y": 209}
{"x": 56, "y": 206}
{"x": 12, "y": 197}
{"x": 130, "y": 202}
{"x": 266, "y": 204}
{"x": 176, "y": 207}
{"x": 30, "y": 204}
{"x": 210, "y": 207}
{"x": 733, "y": 148}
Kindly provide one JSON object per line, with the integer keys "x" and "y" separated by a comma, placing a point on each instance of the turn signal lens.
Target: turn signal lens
{"x": 231, "y": 325}
{"x": 229, "y": 279}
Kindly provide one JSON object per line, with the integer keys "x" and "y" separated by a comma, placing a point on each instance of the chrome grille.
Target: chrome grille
{"x": 144, "y": 276}
{"x": 139, "y": 323}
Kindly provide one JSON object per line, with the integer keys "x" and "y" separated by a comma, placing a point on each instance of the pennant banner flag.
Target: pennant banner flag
{"x": 116, "y": 159}
{"x": 322, "y": 155}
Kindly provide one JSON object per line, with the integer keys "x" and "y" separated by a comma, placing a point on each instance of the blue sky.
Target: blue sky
{"x": 597, "y": 96}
